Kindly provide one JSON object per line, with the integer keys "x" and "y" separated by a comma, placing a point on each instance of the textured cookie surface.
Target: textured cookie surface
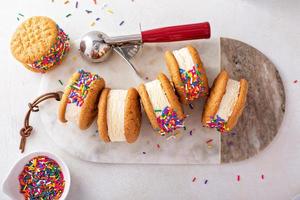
{"x": 171, "y": 96}
{"x": 132, "y": 116}
{"x": 64, "y": 99}
{"x": 89, "y": 108}
{"x": 33, "y": 39}
{"x": 239, "y": 105}
{"x": 102, "y": 117}
{"x": 148, "y": 106}
{"x": 173, "y": 68}
{"x": 216, "y": 94}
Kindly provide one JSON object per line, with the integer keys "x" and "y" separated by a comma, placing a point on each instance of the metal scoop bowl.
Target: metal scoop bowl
{"x": 96, "y": 46}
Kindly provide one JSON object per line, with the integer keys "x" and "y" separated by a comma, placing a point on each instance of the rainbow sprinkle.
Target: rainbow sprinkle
{"x": 168, "y": 121}
{"x": 80, "y": 88}
{"x": 41, "y": 178}
{"x": 192, "y": 83}
{"x": 218, "y": 123}
{"x": 55, "y": 54}
{"x": 194, "y": 179}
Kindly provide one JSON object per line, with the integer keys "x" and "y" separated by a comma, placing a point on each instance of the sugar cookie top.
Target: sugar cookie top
{"x": 33, "y": 39}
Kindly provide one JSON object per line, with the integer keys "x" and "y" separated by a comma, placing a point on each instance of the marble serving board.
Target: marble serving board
{"x": 190, "y": 146}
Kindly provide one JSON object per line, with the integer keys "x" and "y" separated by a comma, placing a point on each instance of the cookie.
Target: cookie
{"x": 225, "y": 103}
{"x": 119, "y": 116}
{"x": 39, "y": 44}
{"x": 187, "y": 73}
{"x": 161, "y": 105}
{"x": 80, "y": 99}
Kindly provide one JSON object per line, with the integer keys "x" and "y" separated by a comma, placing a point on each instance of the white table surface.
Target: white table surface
{"x": 272, "y": 26}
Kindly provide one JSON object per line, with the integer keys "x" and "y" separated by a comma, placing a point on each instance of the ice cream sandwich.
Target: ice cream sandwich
{"x": 80, "y": 99}
{"x": 39, "y": 44}
{"x": 119, "y": 116}
{"x": 161, "y": 105}
{"x": 187, "y": 73}
{"x": 225, "y": 103}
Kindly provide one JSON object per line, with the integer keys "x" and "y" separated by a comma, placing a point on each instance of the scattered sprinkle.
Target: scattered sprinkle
{"x": 147, "y": 78}
{"x": 230, "y": 143}
{"x": 80, "y": 88}
{"x": 238, "y": 178}
{"x": 209, "y": 141}
{"x": 295, "y": 81}
{"x": 20, "y": 14}
{"x": 184, "y": 128}
{"x": 97, "y": 131}
{"x": 158, "y": 146}
{"x": 218, "y": 123}
{"x": 194, "y": 179}
{"x": 168, "y": 121}
{"x": 66, "y": 2}
{"x": 88, "y": 11}
{"x": 121, "y": 23}
{"x": 95, "y": 2}
{"x": 110, "y": 11}
{"x": 42, "y": 178}
{"x": 76, "y": 5}
{"x": 144, "y": 152}
{"x": 191, "y": 106}
{"x": 60, "y": 82}
{"x": 98, "y": 18}
{"x": 93, "y": 24}
{"x": 205, "y": 182}
{"x": 68, "y": 15}
{"x": 157, "y": 110}
{"x": 262, "y": 177}
{"x": 193, "y": 85}
{"x": 191, "y": 132}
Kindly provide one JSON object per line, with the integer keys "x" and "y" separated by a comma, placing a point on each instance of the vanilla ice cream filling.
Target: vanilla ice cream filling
{"x": 73, "y": 112}
{"x": 115, "y": 115}
{"x": 229, "y": 99}
{"x": 184, "y": 59}
{"x": 157, "y": 96}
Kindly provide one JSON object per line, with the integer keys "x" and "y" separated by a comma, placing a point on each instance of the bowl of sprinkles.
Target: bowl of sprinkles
{"x": 39, "y": 175}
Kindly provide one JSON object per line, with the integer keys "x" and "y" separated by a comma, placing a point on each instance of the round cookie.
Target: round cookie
{"x": 217, "y": 91}
{"x": 161, "y": 105}
{"x": 189, "y": 79}
{"x": 39, "y": 44}
{"x": 80, "y": 98}
{"x": 119, "y": 116}
{"x": 149, "y": 110}
{"x": 235, "y": 99}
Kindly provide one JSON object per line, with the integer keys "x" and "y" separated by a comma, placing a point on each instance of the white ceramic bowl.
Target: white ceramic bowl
{"x": 11, "y": 186}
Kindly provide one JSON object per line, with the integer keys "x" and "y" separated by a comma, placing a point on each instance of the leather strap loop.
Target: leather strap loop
{"x": 33, "y": 107}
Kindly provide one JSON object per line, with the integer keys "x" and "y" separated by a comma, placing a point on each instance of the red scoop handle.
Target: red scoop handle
{"x": 177, "y": 33}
